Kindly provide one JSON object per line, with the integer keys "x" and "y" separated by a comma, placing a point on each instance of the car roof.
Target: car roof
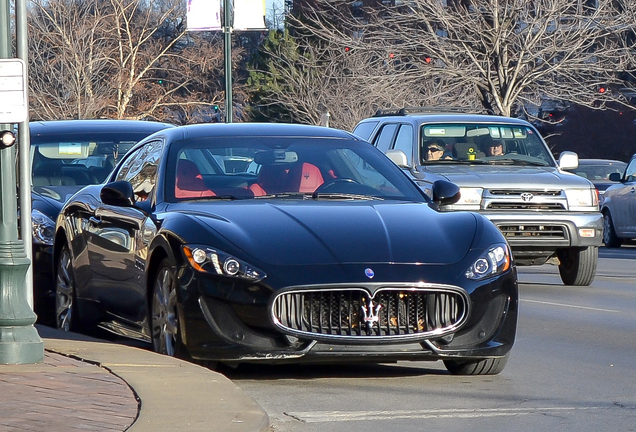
{"x": 445, "y": 117}
{"x": 256, "y": 129}
{"x": 95, "y": 126}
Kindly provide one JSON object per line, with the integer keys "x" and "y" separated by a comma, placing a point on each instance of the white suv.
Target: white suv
{"x": 506, "y": 172}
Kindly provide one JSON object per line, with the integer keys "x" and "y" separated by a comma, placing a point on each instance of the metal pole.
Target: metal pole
{"x": 227, "y": 38}
{"x": 24, "y": 156}
{"x": 19, "y": 340}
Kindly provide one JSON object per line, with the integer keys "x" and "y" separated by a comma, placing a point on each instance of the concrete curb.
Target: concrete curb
{"x": 175, "y": 395}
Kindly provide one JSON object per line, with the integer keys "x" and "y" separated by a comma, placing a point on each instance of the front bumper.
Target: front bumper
{"x": 217, "y": 330}
{"x": 43, "y": 284}
{"x": 550, "y": 229}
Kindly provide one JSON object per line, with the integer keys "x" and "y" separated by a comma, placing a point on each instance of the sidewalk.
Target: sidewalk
{"x": 92, "y": 385}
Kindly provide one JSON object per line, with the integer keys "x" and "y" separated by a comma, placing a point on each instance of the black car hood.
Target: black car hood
{"x": 313, "y": 233}
{"x": 50, "y": 199}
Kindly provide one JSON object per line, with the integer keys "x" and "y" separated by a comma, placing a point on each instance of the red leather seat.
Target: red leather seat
{"x": 306, "y": 178}
{"x": 279, "y": 178}
{"x": 189, "y": 182}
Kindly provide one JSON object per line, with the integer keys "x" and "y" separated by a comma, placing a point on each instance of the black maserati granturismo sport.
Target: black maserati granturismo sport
{"x": 282, "y": 243}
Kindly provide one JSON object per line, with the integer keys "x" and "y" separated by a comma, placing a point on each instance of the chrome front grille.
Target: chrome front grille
{"x": 392, "y": 313}
{"x": 524, "y": 200}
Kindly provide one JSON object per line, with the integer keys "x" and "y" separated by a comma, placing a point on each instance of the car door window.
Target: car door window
{"x": 140, "y": 169}
{"x": 385, "y": 137}
{"x": 364, "y": 130}
{"x": 404, "y": 141}
{"x": 630, "y": 172}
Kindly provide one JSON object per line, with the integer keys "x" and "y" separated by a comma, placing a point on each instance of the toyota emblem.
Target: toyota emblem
{"x": 526, "y": 196}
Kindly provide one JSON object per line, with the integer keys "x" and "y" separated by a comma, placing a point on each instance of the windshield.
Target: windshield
{"x": 483, "y": 143}
{"x": 283, "y": 167}
{"x": 76, "y": 160}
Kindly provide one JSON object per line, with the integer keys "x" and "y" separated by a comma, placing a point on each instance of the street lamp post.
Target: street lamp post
{"x": 19, "y": 340}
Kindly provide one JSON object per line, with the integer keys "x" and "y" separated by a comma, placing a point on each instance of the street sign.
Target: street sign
{"x": 13, "y": 91}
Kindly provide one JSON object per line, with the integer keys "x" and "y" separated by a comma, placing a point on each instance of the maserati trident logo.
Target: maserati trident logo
{"x": 369, "y": 273}
{"x": 371, "y": 313}
{"x": 526, "y": 196}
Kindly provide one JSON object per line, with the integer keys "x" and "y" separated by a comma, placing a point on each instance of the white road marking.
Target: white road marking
{"x": 333, "y": 416}
{"x": 569, "y": 305}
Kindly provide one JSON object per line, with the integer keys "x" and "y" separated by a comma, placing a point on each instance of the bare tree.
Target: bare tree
{"x": 69, "y": 59}
{"x": 498, "y": 55}
{"x": 123, "y": 59}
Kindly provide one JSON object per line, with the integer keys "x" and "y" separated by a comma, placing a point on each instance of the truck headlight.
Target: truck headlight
{"x": 581, "y": 198}
{"x": 470, "y": 199}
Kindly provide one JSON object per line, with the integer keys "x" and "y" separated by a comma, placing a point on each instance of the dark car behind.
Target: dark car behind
{"x": 598, "y": 171}
{"x": 67, "y": 155}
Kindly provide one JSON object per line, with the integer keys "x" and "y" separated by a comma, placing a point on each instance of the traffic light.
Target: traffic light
{"x": 347, "y": 49}
{"x": 391, "y": 55}
{"x": 427, "y": 59}
{"x": 602, "y": 89}
{"x": 7, "y": 139}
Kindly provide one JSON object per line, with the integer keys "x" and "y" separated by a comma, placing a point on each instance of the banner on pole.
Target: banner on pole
{"x": 249, "y": 15}
{"x": 204, "y": 15}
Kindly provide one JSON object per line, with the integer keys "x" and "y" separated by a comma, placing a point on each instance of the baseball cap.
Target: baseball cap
{"x": 435, "y": 146}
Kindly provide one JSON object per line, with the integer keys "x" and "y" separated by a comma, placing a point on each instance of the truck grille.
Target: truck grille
{"x": 351, "y": 313}
{"x": 524, "y": 206}
{"x": 512, "y": 231}
{"x": 524, "y": 200}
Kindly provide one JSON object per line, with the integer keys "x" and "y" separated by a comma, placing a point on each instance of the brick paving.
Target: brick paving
{"x": 64, "y": 394}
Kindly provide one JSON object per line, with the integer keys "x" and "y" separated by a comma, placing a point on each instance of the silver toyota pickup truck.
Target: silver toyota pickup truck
{"x": 506, "y": 172}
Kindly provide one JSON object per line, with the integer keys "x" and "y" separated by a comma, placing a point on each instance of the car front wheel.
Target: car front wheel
{"x": 65, "y": 307}
{"x": 489, "y": 366}
{"x": 610, "y": 238}
{"x": 164, "y": 317}
{"x": 578, "y": 266}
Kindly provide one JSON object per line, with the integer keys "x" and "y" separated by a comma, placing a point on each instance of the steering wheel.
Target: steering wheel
{"x": 345, "y": 186}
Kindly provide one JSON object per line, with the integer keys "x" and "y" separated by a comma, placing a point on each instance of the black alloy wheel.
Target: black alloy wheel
{"x": 65, "y": 297}
{"x": 164, "y": 319}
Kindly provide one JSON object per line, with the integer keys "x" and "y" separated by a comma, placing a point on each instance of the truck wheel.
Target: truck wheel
{"x": 610, "y": 238}
{"x": 578, "y": 266}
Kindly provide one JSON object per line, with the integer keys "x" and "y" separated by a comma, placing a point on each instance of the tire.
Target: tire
{"x": 164, "y": 318}
{"x": 66, "y": 317}
{"x": 489, "y": 366}
{"x": 610, "y": 238}
{"x": 578, "y": 266}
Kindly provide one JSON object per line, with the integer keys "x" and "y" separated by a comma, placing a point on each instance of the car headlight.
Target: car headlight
{"x": 581, "y": 198}
{"x": 496, "y": 260}
{"x": 208, "y": 260}
{"x": 43, "y": 228}
{"x": 470, "y": 199}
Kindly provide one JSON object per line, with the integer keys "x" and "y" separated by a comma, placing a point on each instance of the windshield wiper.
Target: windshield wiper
{"x": 282, "y": 195}
{"x": 344, "y": 196}
{"x": 515, "y": 161}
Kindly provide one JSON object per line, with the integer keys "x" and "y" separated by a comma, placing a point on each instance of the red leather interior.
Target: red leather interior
{"x": 190, "y": 182}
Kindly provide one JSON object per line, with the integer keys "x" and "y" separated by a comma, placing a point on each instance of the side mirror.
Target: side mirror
{"x": 398, "y": 157}
{"x": 568, "y": 160}
{"x": 119, "y": 193}
{"x": 615, "y": 177}
{"x": 445, "y": 192}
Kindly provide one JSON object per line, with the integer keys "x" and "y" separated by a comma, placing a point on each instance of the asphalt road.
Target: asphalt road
{"x": 573, "y": 368}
